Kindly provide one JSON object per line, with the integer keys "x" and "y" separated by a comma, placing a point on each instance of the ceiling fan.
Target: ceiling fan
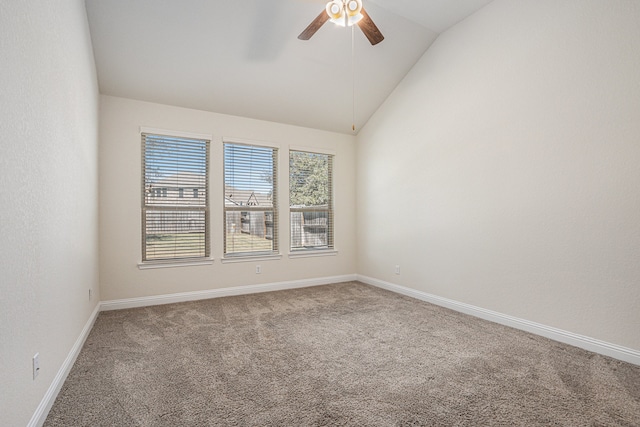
{"x": 345, "y": 13}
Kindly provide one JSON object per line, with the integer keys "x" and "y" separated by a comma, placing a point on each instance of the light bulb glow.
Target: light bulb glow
{"x": 353, "y": 7}
{"x": 335, "y": 10}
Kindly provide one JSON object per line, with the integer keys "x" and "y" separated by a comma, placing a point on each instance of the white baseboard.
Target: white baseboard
{"x": 217, "y": 293}
{"x": 584, "y": 342}
{"x": 40, "y": 415}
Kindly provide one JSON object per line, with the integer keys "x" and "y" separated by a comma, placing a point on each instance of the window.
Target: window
{"x": 250, "y": 199}
{"x": 174, "y": 227}
{"x": 311, "y": 200}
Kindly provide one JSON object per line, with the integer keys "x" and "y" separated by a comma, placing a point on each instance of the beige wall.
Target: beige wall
{"x": 120, "y": 235}
{"x": 48, "y": 195}
{"x": 504, "y": 170}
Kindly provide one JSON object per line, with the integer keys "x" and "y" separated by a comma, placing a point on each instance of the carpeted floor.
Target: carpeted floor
{"x": 336, "y": 355}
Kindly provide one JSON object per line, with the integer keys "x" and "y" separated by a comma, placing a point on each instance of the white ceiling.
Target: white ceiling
{"x": 243, "y": 57}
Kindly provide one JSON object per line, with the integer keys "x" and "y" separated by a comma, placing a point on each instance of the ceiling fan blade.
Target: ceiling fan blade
{"x": 314, "y": 26}
{"x": 369, "y": 28}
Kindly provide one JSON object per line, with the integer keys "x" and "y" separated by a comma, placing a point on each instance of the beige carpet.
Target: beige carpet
{"x": 337, "y": 355}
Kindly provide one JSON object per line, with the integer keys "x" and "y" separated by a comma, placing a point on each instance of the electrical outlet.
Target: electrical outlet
{"x": 36, "y": 365}
{"x": 89, "y": 294}
{"x": 258, "y": 269}
{"x": 397, "y": 269}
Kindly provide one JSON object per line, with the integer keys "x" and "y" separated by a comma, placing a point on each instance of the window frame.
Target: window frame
{"x": 330, "y": 249}
{"x": 146, "y": 263}
{"x": 274, "y": 253}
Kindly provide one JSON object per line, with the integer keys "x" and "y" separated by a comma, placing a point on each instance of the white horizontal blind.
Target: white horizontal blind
{"x": 250, "y": 199}
{"x": 175, "y": 197}
{"x": 311, "y": 200}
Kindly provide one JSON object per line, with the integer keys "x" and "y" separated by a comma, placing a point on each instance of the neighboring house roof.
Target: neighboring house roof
{"x": 183, "y": 185}
{"x": 237, "y": 197}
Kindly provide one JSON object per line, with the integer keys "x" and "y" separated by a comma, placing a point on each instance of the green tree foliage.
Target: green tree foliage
{"x": 309, "y": 178}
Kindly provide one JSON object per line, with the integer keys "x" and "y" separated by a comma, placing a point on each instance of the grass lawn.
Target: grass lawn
{"x": 190, "y": 245}
{"x": 240, "y": 242}
{"x": 178, "y": 245}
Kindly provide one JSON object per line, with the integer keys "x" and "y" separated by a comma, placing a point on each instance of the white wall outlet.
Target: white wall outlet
{"x": 397, "y": 269}
{"x": 258, "y": 269}
{"x": 89, "y": 294}
{"x": 36, "y": 365}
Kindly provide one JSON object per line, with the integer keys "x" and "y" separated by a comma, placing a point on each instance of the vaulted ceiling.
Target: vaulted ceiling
{"x": 243, "y": 57}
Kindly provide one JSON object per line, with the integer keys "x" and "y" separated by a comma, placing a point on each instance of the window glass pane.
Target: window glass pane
{"x": 310, "y": 230}
{"x": 249, "y": 231}
{"x": 172, "y": 165}
{"x": 308, "y": 179}
{"x": 250, "y": 174}
{"x": 175, "y": 234}
{"x": 175, "y": 197}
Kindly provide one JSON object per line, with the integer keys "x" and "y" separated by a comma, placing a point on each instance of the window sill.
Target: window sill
{"x": 249, "y": 258}
{"x": 313, "y": 253}
{"x": 147, "y": 265}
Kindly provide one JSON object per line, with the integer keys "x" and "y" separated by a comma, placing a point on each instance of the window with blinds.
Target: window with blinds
{"x": 311, "y": 200}
{"x": 175, "y": 198}
{"x": 250, "y": 199}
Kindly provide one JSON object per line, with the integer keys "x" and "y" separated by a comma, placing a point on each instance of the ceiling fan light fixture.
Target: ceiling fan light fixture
{"x": 344, "y": 13}
{"x": 348, "y": 22}
{"x": 354, "y": 7}
{"x": 355, "y": 19}
{"x": 335, "y": 10}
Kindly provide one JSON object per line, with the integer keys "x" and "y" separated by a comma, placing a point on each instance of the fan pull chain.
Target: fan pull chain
{"x": 353, "y": 80}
